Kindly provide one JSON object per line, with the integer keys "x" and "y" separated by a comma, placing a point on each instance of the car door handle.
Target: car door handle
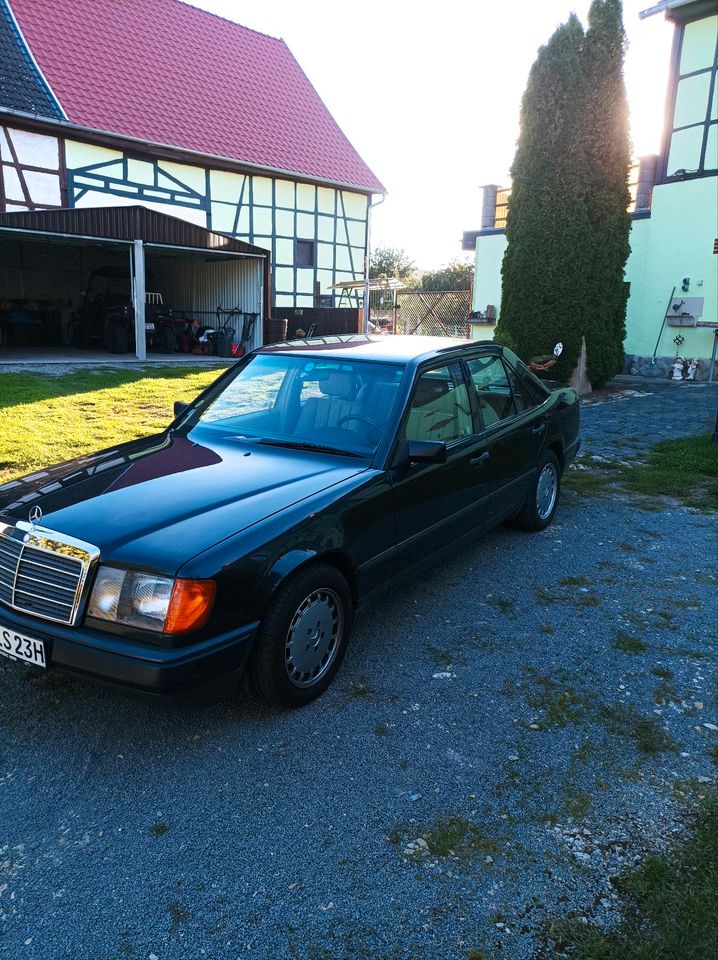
{"x": 539, "y": 429}
{"x": 482, "y": 458}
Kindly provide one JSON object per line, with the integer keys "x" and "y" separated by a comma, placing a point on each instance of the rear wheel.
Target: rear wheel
{"x": 118, "y": 338}
{"x": 303, "y": 638}
{"x": 540, "y": 507}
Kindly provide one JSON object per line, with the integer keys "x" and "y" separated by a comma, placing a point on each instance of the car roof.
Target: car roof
{"x": 382, "y": 348}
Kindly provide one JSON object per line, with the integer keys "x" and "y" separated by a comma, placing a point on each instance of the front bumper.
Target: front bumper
{"x": 203, "y": 671}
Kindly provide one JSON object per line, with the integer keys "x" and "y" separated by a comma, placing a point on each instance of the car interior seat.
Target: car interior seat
{"x": 375, "y": 400}
{"x": 339, "y": 391}
{"x": 494, "y": 406}
{"x": 439, "y": 411}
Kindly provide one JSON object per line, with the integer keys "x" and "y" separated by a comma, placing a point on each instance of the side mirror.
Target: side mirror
{"x": 427, "y": 451}
{"x": 180, "y": 408}
{"x": 419, "y": 451}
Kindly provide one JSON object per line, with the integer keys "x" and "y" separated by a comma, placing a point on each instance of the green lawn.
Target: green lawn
{"x": 686, "y": 469}
{"x": 46, "y": 419}
{"x": 671, "y": 907}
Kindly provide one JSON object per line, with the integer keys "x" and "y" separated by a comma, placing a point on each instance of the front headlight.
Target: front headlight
{"x": 150, "y": 602}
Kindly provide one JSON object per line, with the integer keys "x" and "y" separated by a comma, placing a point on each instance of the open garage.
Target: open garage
{"x": 125, "y": 283}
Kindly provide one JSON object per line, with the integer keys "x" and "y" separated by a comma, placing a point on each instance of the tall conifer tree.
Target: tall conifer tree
{"x": 608, "y": 151}
{"x": 547, "y": 260}
{"x": 567, "y": 228}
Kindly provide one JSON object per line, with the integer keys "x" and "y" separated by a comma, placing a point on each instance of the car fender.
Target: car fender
{"x": 286, "y": 565}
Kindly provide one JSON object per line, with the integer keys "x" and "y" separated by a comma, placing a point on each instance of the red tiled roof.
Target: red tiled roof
{"x": 168, "y": 73}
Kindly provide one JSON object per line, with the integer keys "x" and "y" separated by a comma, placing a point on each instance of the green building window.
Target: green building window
{"x": 692, "y": 147}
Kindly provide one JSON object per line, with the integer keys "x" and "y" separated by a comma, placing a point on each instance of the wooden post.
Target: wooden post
{"x": 317, "y": 294}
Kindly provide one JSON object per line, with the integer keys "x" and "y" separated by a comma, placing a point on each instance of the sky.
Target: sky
{"x": 430, "y": 95}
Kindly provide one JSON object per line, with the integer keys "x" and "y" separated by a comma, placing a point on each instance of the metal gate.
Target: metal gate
{"x": 418, "y": 312}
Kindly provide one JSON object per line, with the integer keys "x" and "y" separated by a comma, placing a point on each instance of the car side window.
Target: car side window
{"x": 531, "y": 386}
{"x": 493, "y": 390}
{"x": 440, "y": 407}
{"x": 522, "y": 395}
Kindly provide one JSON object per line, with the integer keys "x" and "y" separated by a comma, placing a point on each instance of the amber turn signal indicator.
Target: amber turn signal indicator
{"x": 190, "y": 605}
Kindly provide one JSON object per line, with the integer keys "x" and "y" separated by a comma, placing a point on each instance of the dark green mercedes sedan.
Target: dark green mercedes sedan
{"x": 240, "y": 543}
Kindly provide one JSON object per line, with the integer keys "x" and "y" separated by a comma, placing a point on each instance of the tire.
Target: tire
{"x": 165, "y": 340}
{"x": 75, "y": 332}
{"x": 540, "y": 507}
{"x": 303, "y": 638}
{"x": 118, "y": 339}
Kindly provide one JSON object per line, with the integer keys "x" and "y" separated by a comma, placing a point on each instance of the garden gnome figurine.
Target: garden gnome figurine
{"x": 677, "y": 369}
{"x": 692, "y": 370}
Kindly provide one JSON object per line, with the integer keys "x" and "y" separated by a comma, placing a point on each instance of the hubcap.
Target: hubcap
{"x": 546, "y": 490}
{"x": 313, "y": 638}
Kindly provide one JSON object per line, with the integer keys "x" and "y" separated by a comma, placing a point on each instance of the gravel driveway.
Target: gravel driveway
{"x": 505, "y": 734}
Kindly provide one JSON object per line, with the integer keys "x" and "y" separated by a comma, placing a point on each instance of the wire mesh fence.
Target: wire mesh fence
{"x": 436, "y": 313}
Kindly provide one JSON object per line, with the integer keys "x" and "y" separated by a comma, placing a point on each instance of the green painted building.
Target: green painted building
{"x": 674, "y": 209}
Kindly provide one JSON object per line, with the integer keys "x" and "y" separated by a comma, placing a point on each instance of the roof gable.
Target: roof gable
{"x": 165, "y": 72}
{"x": 22, "y": 87}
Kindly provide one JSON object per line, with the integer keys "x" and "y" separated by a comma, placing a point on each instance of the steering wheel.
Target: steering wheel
{"x": 358, "y": 416}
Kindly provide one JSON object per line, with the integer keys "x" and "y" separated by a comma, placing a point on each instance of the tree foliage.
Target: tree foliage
{"x": 567, "y": 228}
{"x": 549, "y": 236}
{"x": 392, "y": 262}
{"x": 609, "y": 155}
{"x": 456, "y": 276}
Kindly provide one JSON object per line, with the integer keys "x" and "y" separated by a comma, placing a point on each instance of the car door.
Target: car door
{"x": 513, "y": 431}
{"x": 435, "y": 504}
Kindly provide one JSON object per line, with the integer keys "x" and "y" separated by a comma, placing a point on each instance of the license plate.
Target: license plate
{"x": 149, "y": 327}
{"x": 16, "y": 646}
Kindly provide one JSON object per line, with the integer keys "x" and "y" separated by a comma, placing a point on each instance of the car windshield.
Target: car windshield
{"x": 339, "y": 406}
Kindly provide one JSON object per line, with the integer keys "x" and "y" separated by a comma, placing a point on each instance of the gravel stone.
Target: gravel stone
{"x": 130, "y": 829}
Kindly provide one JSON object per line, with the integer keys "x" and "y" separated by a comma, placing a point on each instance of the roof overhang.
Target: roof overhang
{"x": 124, "y": 225}
{"x": 680, "y": 10}
{"x": 105, "y": 138}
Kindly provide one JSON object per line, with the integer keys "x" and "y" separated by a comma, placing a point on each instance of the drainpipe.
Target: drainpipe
{"x": 488, "y": 206}
{"x": 665, "y": 315}
{"x": 365, "y": 322}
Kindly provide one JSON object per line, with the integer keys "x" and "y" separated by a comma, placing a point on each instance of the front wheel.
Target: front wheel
{"x": 303, "y": 638}
{"x": 540, "y": 507}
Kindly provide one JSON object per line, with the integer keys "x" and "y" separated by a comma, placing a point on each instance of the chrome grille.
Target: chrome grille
{"x": 42, "y": 572}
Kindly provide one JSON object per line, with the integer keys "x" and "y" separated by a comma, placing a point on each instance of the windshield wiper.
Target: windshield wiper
{"x": 304, "y": 445}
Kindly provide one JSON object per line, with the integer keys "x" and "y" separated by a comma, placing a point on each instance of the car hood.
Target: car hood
{"x": 159, "y": 501}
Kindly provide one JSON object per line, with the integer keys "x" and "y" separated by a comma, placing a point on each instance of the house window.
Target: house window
{"x": 693, "y": 139}
{"x": 502, "y": 208}
{"x": 304, "y": 251}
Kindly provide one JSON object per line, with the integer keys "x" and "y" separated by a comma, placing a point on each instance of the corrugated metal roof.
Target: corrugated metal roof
{"x": 128, "y": 223}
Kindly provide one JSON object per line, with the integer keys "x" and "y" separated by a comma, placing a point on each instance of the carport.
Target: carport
{"x": 60, "y": 265}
